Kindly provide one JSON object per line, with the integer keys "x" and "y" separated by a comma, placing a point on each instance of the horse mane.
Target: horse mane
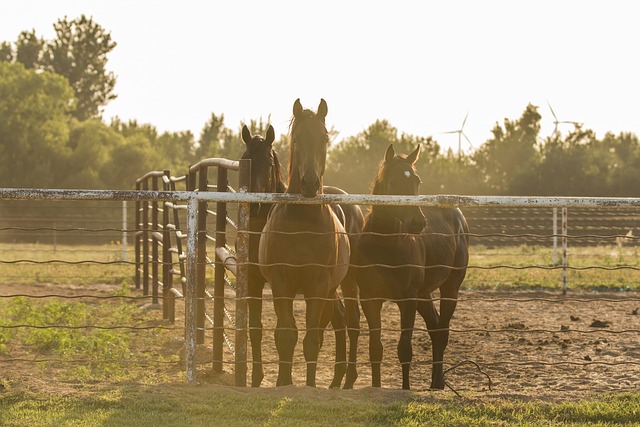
{"x": 280, "y": 185}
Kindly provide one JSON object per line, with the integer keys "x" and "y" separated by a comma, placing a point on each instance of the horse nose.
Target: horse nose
{"x": 310, "y": 185}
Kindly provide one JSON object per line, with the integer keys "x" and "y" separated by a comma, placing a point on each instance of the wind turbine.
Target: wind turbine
{"x": 460, "y": 133}
{"x": 556, "y": 122}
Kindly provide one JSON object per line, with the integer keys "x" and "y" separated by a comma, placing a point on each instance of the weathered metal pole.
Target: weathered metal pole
{"x": 565, "y": 262}
{"x": 155, "y": 243}
{"x": 242, "y": 276}
{"x": 555, "y": 236}
{"x": 190, "y": 291}
{"x": 124, "y": 230}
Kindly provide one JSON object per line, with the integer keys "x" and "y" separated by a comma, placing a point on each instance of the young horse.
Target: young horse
{"x": 397, "y": 258}
{"x": 304, "y": 247}
{"x": 266, "y": 177}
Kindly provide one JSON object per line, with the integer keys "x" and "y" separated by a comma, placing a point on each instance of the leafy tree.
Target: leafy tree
{"x": 176, "y": 149}
{"x": 211, "y": 138}
{"x": 34, "y": 125}
{"x": 449, "y": 174}
{"x": 29, "y": 49}
{"x": 508, "y": 161}
{"x": 131, "y": 160}
{"x": 88, "y": 163}
{"x": 625, "y": 165}
{"x": 79, "y": 53}
{"x": 568, "y": 168}
{"x": 132, "y": 127}
{"x": 6, "y": 52}
{"x": 169, "y": 150}
{"x": 352, "y": 164}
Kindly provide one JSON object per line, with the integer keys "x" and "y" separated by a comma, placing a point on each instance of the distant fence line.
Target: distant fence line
{"x": 196, "y": 203}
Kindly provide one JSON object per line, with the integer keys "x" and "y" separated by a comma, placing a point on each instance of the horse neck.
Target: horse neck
{"x": 261, "y": 210}
{"x": 379, "y": 222}
{"x": 294, "y": 181}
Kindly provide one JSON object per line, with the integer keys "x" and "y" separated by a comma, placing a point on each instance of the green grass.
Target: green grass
{"x": 181, "y": 405}
{"x": 105, "y": 354}
{"x": 501, "y": 268}
{"x": 24, "y": 263}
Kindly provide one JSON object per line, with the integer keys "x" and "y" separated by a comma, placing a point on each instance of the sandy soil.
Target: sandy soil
{"x": 525, "y": 343}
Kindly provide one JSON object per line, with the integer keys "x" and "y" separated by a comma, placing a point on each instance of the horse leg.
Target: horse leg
{"x": 371, "y": 310}
{"x": 286, "y": 336}
{"x": 311, "y": 342}
{"x": 405, "y": 348}
{"x": 339, "y": 328}
{"x": 438, "y": 326}
{"x": 255, "y": 330}
{"x": 350, "y": 294}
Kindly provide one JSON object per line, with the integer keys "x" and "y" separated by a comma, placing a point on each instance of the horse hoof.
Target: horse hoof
{"x": 256, "y": 378}
{"x": 350, "y": 381}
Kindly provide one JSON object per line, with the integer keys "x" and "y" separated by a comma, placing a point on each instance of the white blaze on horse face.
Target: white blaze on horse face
{"x": 407, "y": 174}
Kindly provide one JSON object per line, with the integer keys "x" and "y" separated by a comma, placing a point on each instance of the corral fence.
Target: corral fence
{"x": 155, "y": 248}
{"x": 190, "y": 261}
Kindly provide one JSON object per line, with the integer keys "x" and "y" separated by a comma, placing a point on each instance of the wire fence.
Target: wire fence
{"x": 510, "y": 327}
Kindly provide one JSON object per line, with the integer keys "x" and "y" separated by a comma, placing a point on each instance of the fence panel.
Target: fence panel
{"x": 625, "y": 263}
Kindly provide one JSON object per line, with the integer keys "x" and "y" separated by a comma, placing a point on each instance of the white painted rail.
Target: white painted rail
{"x": 442, "y": 201}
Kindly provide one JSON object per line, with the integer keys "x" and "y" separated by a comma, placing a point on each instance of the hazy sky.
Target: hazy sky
{"x": 422, "y": 65}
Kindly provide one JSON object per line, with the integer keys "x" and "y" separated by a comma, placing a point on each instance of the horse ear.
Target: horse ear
{"x": 246, "y": 134}
{"x": 411, "y": 158}
{"x": 390, "y": 154}
{"x": 271, "y": 135}
{"x": 297, "y": 108}
{"x": 322, "y": 109}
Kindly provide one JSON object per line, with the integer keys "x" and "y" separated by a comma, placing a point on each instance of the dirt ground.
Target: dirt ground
{"x": 522, "y": 343}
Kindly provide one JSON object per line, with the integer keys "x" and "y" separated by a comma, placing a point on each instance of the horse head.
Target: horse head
{"x": 265, "y": 167}
{"x": 397, "y": 176}
{"x": 309, "y": 143}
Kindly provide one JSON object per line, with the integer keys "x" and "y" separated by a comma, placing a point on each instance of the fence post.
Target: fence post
{"x": 202, "y": 253}
{"x": 190, "y": 297}
{"x": 555, "y": 236}
{"x": 168, "y": 308}
{"x": 136, "y": 235}
{"x": 218, "y": 282}
{"x": 242, "y": 276}
{"x": 124, "y": 230}
{"x": 564, "y": 250}
{"x": 155, "y": 242}
{"x": 145, "y": 241}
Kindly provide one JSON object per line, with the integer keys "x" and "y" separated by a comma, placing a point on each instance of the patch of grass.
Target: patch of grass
{"x": 33, "y": 266}
{"x": 65, "y": 331}
{"x": 507, "y": 268}
{"x": 172, "y": 405}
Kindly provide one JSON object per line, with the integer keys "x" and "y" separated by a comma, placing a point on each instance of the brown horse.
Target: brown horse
{"x": 404, "y": 254}
{"x": 304, "y": 247}
{"x": 266, "y": 177}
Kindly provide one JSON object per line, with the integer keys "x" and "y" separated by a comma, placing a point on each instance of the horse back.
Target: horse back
{"x": 446, "y": 243}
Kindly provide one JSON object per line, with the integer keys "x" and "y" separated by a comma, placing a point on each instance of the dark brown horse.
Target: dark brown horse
{"x": 304, "y": 248}
{"x": 266, "y": 177}
{"x": 404, "y": 254}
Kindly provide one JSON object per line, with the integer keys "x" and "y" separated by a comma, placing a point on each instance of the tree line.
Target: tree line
{"x": 52, "y": 135}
